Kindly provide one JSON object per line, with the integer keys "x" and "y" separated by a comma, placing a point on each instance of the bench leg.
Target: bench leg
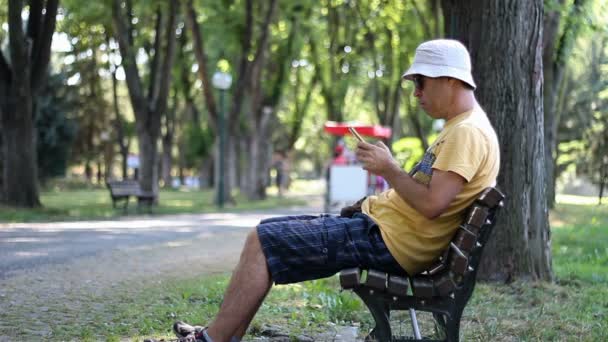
{"x": 448, "y": 328}
{"x": 440, "y": 328}
{"x": 453, "y": 328}
{"x": 415, "y": 324}
{"x": 380, "y": 311}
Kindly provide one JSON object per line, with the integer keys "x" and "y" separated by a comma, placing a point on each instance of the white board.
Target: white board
{"x": 347, "y": 183}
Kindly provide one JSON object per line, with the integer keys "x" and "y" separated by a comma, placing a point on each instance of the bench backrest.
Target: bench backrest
{"x": 124, "y": 187}
{"x": 457, "y": 268}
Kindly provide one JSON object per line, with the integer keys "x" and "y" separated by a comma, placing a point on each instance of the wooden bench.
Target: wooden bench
{"x": 122, "y": 190}
{"x": 443, "y": 289}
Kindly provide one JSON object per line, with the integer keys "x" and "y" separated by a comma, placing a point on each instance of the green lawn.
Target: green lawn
{"x": 95, "y": 203}
{"x": 574, "y": 308}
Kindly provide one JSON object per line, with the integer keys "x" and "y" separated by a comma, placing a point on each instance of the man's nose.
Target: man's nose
{"x": 417, "y": 92}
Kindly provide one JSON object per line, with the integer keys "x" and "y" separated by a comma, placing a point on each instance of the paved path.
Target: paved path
{"x": 28, "y": 246}
{"x": 55, "y": 267}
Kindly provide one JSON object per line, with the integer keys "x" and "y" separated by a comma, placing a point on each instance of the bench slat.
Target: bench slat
{"x": 491, "y": 198}
{"x": 397, "y": 285}
{"x": 376, "y": 280}
{"x": 350, "y": 278}
{"x": 477, "y": 216}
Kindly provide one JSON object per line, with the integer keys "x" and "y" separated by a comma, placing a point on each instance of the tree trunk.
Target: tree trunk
{"x": 148, "y": 159}
{"x": 123, "y": 140}
{"x": 167, "y": 140}
{"x": 19, "y": 153}
{"x": 505, "y": 40}
{"x": 167, "y": 161}
{"x": 19, "y": 84}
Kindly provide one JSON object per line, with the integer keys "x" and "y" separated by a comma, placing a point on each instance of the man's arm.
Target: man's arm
{"x": 430, "y": 200}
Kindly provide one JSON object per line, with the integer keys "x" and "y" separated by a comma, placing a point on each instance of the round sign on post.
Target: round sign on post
{"x": 221, "y": 80}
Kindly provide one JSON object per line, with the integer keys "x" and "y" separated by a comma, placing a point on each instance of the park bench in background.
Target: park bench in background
{"x": 443, "y": 289}
{"x": 122, "y": 190}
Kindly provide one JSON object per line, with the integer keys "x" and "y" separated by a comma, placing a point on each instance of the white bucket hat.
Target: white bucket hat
{"x": 442, "y": 57}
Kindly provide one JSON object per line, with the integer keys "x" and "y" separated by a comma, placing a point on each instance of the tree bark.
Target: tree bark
{"x": 505, "y": 41}
{"x": 201, "y": 59}
{"x": 124, "y": 141}
{"x": 167, "y": 139}
{"x": 19, "y": 84}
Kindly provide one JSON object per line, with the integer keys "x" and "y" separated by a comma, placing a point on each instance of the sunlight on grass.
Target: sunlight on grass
{"x": 95, "y": 203}
{"x": 581, "y": 200}
{"x": 178, "y": 203}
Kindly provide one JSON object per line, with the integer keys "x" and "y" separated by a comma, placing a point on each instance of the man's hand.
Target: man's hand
{"x": 376, "y": 158}
{"x": 431, "y": 200}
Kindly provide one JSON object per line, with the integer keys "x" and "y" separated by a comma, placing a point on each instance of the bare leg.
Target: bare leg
{"x": 248, "y": 286}
{"x": 242, "y": 330}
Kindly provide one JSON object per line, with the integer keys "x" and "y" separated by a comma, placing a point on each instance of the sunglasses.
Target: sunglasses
{"x": 418, "y": 82}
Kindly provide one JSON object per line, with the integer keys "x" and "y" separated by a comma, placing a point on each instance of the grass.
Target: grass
{"x": 95, "y": 203}
{"x": 573, "y": 308}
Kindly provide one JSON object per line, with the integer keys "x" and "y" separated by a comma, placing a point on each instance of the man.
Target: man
{"x": 402, "y": 230}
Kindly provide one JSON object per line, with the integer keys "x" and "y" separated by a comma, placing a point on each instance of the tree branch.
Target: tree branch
{"x": 160, "y": 103}
{"x": 129, "y": 64}
{"x": 130, "y": 29}
{"x": 35, "y": 19}
{"x": 5, "y": 70}
{"x": 17, "y": 42}
{"x": 42, "y": 46}
{"x": 425, "y": 25}
{"x": 156, "y": 58}
{"x": 201, "y": 59}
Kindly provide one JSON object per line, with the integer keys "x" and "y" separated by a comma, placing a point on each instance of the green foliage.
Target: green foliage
{"x": 198, "y": 144}
{"x": 409, "y": 151}
{"x": 56, "y": 131}
{"x": 583, "y": 128}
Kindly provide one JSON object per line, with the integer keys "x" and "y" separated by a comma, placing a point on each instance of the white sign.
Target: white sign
{"x": 133, "y": 161}
{"x": 347, "y": 183}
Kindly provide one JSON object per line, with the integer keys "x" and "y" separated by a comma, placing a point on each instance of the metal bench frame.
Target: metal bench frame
{"x": 443, "y": 289}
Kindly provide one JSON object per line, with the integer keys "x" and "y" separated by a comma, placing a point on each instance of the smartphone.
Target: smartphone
{"x": 354, "y": 132}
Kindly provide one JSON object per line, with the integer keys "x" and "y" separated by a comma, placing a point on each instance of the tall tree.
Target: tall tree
{"x": 505, "y": 41}
{"x": 121, "y": 127}
{"x": 150, "y": 106}
{"x": 268, "y": 85}
{"x": 251, "y": 55}
{"x": 337, "y": 65}
{"x": 557, "y": 47}
{"x": 21, "y": 78}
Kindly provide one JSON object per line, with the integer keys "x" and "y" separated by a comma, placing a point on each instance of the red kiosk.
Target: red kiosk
{"x": 347, "y": 182}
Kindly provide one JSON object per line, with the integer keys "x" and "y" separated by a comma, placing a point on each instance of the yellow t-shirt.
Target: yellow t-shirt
{"x": 467, "y": 146}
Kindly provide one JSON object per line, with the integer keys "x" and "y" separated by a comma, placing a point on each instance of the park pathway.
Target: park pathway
{"x": 48, "y": 270}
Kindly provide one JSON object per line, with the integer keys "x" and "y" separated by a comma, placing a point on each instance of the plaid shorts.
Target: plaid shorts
{"x": 299, "y": 248}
